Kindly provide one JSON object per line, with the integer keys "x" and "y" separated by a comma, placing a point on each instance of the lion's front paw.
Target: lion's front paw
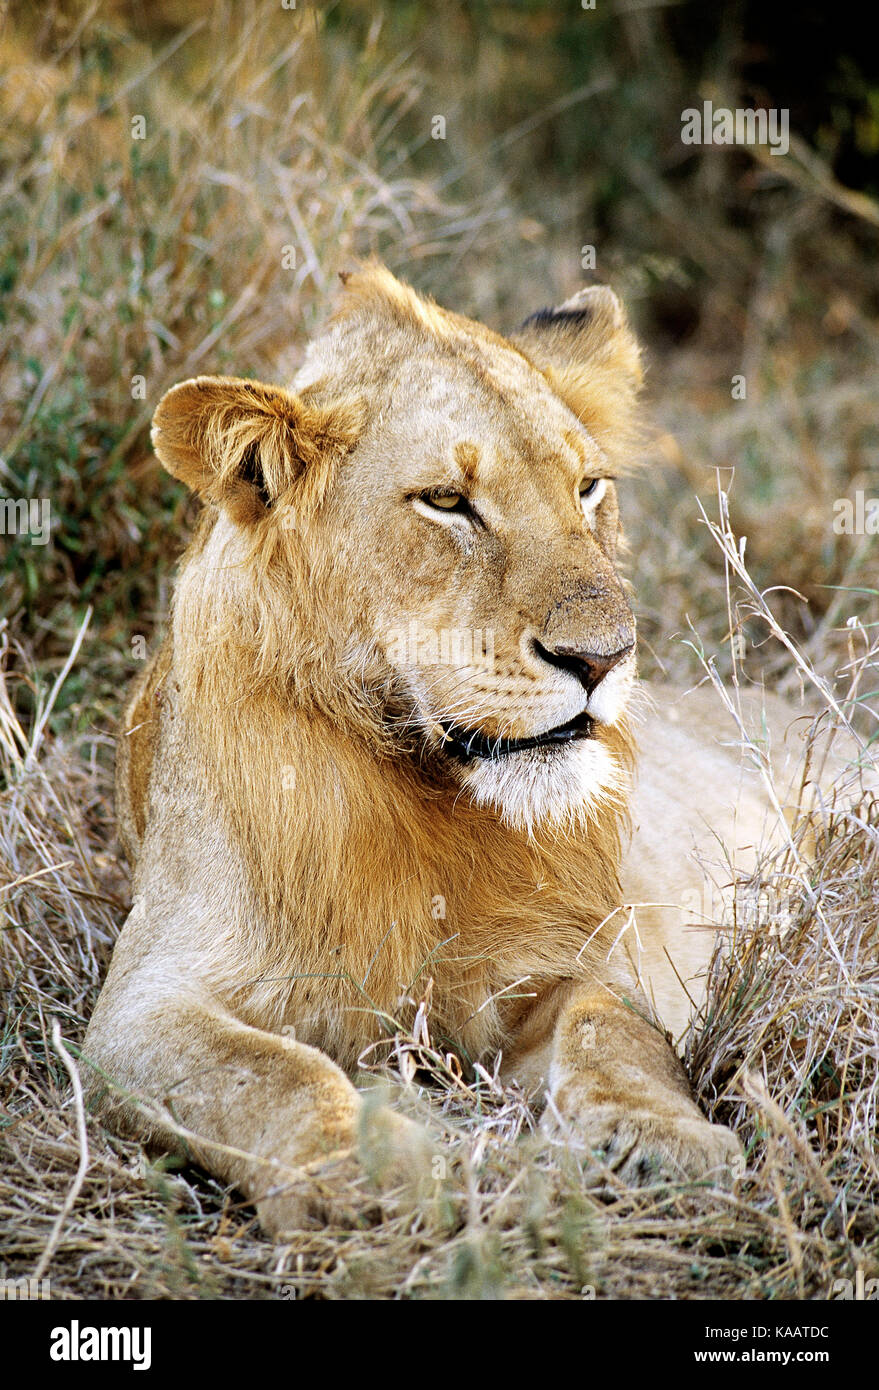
{"x": 393, "y": 1150}
{"x": 639, "y": 1143}
{"x": 381, "y": 1153}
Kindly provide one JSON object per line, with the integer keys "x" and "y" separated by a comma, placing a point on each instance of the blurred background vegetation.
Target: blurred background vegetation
{"x": 180, "y": 183}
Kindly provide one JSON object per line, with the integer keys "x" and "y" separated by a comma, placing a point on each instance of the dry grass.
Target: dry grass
{"x": 206, "y": 239}
{"x": 804, "y": 436}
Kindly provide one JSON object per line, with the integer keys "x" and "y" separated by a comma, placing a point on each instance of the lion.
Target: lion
{"x": 389, "y": 737}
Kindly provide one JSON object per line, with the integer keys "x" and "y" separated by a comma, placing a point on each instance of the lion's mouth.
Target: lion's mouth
{"x": 466, "y": 743}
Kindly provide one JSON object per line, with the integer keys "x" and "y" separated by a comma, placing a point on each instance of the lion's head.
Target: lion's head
{"x": 419, "y": 539}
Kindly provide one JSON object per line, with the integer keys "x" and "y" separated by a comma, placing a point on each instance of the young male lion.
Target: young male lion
{"x": 397, "y": 675}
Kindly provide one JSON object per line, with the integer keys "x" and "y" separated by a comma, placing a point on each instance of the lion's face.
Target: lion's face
{"x": 466, "y": 530}
{"x": 481, "y": 526}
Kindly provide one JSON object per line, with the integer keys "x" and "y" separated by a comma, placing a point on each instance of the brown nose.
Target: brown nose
{"x": 590, "y": 668}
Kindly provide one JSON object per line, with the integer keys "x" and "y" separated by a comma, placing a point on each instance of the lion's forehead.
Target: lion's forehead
{"x": 486, "y": 427}
{"x": 427, "y": 392}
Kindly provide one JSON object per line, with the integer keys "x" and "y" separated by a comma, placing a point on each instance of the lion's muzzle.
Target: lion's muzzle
{"x": 470, "y": 743}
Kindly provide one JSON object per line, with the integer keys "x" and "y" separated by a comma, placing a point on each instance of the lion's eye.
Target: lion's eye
{"x": 443, "y": 501}
{"x": 438, "y": 502}
{"x": 592, "y": 490}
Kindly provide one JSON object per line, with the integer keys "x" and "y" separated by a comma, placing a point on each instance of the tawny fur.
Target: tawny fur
{"x": 306, "y": 851}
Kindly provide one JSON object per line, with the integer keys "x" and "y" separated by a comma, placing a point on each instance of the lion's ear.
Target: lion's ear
{"x": 588, "y": 353}
{"x": 243, "y": 445}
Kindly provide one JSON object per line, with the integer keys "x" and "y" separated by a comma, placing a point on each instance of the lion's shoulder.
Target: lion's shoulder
{"x": 136, "y": 744}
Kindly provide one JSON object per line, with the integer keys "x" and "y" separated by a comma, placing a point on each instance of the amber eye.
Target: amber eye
{"x": 445, "y": 502}
{"x": 591, "y": 491}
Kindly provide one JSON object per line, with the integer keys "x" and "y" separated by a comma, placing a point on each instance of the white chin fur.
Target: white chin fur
{"x": 560, "y": 788}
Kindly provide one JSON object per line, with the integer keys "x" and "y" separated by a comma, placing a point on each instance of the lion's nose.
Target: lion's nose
{"x": 590, "y": 668}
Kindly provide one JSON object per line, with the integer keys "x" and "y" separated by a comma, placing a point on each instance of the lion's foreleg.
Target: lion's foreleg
{"x": 259, "y": 1110}
{"x": 614, "y": 1086}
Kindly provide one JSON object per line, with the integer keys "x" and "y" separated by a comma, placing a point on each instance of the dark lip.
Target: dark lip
{"x": 466, "y": 743}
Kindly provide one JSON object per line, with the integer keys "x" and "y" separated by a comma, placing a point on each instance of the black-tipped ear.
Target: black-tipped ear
{"x": 588, "y": 353}
{"x": 243, "y": 445}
